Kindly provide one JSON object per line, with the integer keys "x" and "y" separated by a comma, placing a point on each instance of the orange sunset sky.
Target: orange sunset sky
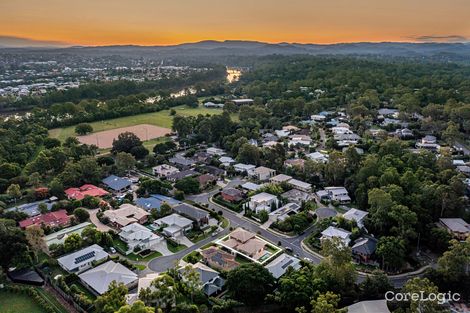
{"x": 158, "y": 22}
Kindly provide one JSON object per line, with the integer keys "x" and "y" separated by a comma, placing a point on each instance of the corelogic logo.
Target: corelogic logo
{"x": 440, "y": 297}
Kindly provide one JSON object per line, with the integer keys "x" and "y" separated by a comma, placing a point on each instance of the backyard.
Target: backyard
{"x": 18, "y": 303}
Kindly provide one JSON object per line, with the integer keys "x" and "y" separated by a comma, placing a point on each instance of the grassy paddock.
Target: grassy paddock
{"x": 18, "y": 303}
{"x": 161, "y": 118}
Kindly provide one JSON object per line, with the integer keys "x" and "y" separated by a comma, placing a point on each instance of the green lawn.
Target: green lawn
{"x": 18, "y": 303}
{"x": 151, "y": 256}
{"x": 161, "y": 118}
{"x": 175, "y": 249}
{"x": 52, "y": 300}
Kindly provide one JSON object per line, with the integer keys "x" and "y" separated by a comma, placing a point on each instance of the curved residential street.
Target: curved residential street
{"x": 238, "y": 220}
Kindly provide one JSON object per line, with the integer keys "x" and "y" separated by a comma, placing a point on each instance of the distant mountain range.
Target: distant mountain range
{"x": 451, "y": 51}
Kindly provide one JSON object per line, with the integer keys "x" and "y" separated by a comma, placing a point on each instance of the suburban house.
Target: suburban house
{"x": 216, "y": 171}
{"x": 280, "y": 178}
{"x": 182, "y": 163}
{"x": 231, "y": 195}
{"x": 428, "y": 142}
{"x": 356, "y": 215}
{"x": 138, "y": 236}
{"x": 117, "y": 184}
{"x": 457, "y": 227}
{"x": 50, "y": 219}
{"x": 300, "y": 185}
{"x": 294, "y": 163}
{"x": 210, "y": 279}
{"x": 174, "y": 225}
{"x": 197, "y": 215}
{"x": 206, "y": 180}
{"x": 32, "y": 208}
{"x": 244, "y": 168}
{"x": 83, "y": 259}
{"x": 251, "y": 186}
{"x": 85, "y": 190}
{"x": 318, "y": 157}
{"x": 143, "y": 283}
{"x": 99, "y": 278}
{"x": 296, "y": 196}
{"x": 285, "y": 211}
{"x": 243, "y": 101}
{"x": 302, "y": 140}
{"x": 363, "y": 248}
{"x": 164, "y": 170}
{"x": 280, "y": 265}
{"x": 339, "y": 194}
{"x": 60, "y": 236}
{"x": 218, "y": 259}
{"x": 262, "y": 173}
{"x": 375, "y": 306}
{"x": 210, "y": 104}
{"x": 212, "y": 151}
{"x": 245, "y": 243}
{"x": 202, "y": 157}
{"x": 325, "y": 212}
{"x": 182, "y": 175}
{"x": 155, "y": 202}
{"x": 125, "y": 215}
{"x": 334, "y": 232}
{"x": 226, "y": 161}
{"x": 263, "y": 201}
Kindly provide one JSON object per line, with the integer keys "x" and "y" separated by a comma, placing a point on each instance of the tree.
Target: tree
{"x": 392, "y": 251}
{"x": 336, "y": 269}
{"x": 83, "y": 129}
{"x": 14, "y": 191}
{"x": 253, "y": 277}
{"x": 248, "y": 154}
{"x": 73, "y": 243}
{"x": 139, "y": 152}
{"x": 327, "y": 303}
{"x": 375, "y": 286}
{"x": 125, "y": 142}
{"x": 13, "y": 245}
{"x": 454, "y": 264}
{"x": 162, "y": 291}
{"x": 9, "y": 170}
{"x": 424, "y": 287}
{"x": 81, "y": 214}
{"x": 113, "y": 299}
{"x": 124, "y": 162}
{"x": 190, "y": 281}
{"x": 188, "y": 185}
{"x": 34, "y": 236}
{"x": 136, "y": 307}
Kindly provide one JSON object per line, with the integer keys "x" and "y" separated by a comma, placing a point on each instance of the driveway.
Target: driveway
{"x": 94, "y": 219}
{"x": 184, "y": 241}
{"x": 162, "y": 248}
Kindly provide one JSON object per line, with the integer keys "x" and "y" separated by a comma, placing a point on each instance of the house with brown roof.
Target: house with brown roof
{"x": 232, "y": 195}
{"x": 125, "y": 215}
{"x": 246, "y": 243}
{"x": 205, "y": 180}
{"x": 218, "y": 259}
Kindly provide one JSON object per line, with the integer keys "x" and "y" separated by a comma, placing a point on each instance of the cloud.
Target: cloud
{"x": 440, "y": 38}
{"x": 20, "y": 42}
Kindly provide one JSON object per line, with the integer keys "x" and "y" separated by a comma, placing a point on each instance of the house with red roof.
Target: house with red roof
{"x": 85, "y": 190}
{"x": 52, "y": 219}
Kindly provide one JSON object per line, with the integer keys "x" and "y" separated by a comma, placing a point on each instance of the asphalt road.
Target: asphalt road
{"x": 237, "y": 220}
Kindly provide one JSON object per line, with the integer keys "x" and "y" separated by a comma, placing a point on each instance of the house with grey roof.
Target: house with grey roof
{"x": 174, "y": 225}
{"x": 210, "y": 279}
{"x": 280, "y": 265}
{"x": 60, "y": 236}
{"x": 457, "y": 227}
{"x": 356, "y": 215}
{"x": 83, "y": 259}
{"x": 99, "y": 278}
{"x": 296, "y": 196}
{"x": 363, "y": 249}
{"x": 195, "y": 214}
{"x": 116, "y": 183}
{"x": 138, "y": 236}
{"x": 371, "y": 306}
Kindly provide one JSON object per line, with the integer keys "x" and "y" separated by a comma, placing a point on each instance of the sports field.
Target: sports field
{"x": 161, "y": 119}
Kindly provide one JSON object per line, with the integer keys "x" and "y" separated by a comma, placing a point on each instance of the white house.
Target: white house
{"x": 285, "y": 211}
{"x": 226, "y": 161}
{"x": 334, "y": 232}
{"x": 83, "y": 259}
{"x": 242, "y": 168}
{"x": 215, "y": 151}
{"x": 136, "y": 235}
{"x": 356, "y": 215}
{"x": 280, "y": 178}
{"x": 318, "y": 157}
{"x": 302, "y": 140}
{"x": 164, "y": 170}
{"x": 300, "y": 185}
{"x": 174, "y": 225}
{"x": 280, "y": 265}
{"x": 263, "y": 173}
{"x": 263, "y": 201}
{"x": 339, "y": 194}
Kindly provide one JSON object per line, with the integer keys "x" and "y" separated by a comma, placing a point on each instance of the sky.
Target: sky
{"x": 167, "y": 22}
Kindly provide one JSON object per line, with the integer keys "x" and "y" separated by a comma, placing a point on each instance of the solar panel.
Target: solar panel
{"x": 85, "y": 257}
